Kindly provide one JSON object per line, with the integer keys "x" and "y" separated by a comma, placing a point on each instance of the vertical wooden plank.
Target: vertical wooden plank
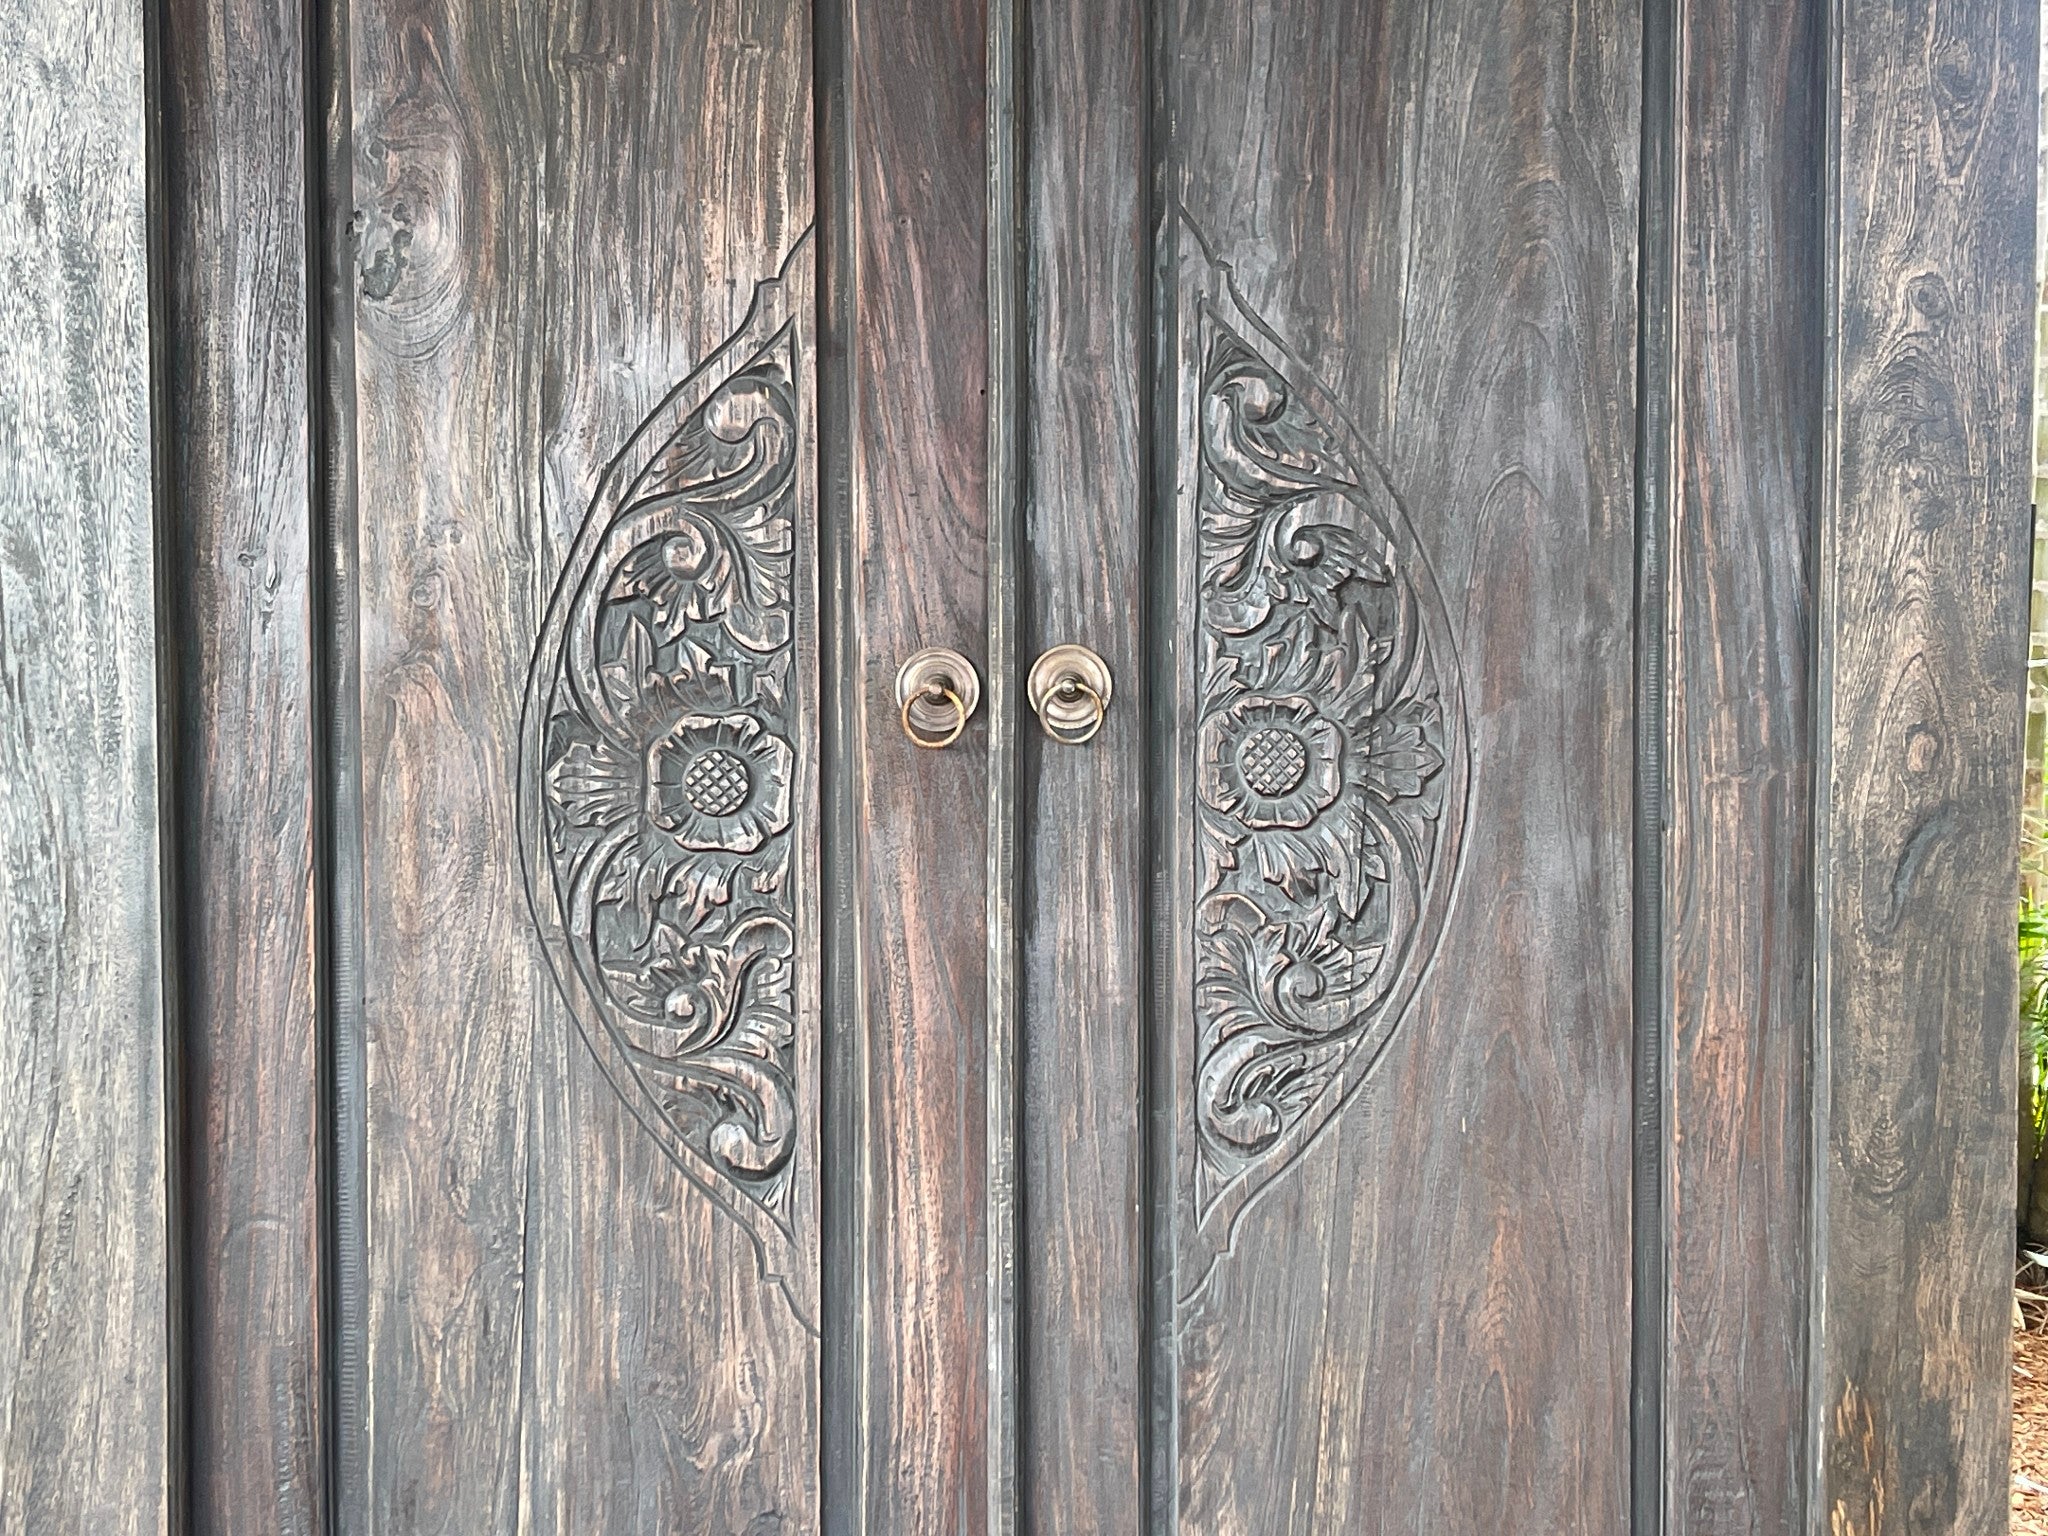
{"x": 563, "y": 215}
{"x": 239, "y": 459}
{"x": 86, "y": 1375}
{"x": 1006, "y": 425}
{"x": 1923, "y": 572}
{"x": 845, "y": 1462}
{"x": 1737, "y": 885}
{"x": 917, "y": 194}
{"x": 446, "y": 152}
{"x": 1082, "y": 1153}
{"x": 1423, "y": 226}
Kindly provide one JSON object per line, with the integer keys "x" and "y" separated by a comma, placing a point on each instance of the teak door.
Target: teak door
{"x": 1490, "y": 1024}
{"x": 707, "y": 1023}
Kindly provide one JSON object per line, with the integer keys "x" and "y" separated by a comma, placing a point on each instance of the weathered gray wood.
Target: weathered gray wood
{"x": 916, "y": 199}
{"x": 1424, "y": 1321}
{"x": 1923, "y": 601}
{"x": 1081, "y": 810}
{"x": 241, "y": 532}
{"x": 1008, "y": 438}
{"x": 563, "y": 214}
{"x": 1418, "y": 227}
{"x": 844, "y": 1459}
{"x": 86, "y": 1373}
{"x": 1737, "y": 877}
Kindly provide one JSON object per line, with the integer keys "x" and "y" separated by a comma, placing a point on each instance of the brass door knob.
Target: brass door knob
{"x": 937, "y": 693}
{"x": 1069, "y": 688}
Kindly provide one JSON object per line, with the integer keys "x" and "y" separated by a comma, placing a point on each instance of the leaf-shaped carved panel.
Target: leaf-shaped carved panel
{"x": 667, "y": 794}
{"x": 1326, "y": 756}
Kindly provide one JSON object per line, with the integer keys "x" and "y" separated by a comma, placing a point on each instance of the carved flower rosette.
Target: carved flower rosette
{"x": 1329, "y": 762}
{"x": 660, "y": 784}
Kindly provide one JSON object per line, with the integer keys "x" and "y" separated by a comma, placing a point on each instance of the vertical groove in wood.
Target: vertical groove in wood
{"x": 88, "y": 1416}
{"x": 1923, "y": 564}
{"x": 336, "y": 739}
{"x": 168, "y": 669}
{"x": 172, "y": 925}
{"x": 1656, "y": 363}
{"x": 1161, "y": 759}
{"x": 1737, "y": 921}
{"x": 848, "y": 1151}
{"x": 239, "y": 608}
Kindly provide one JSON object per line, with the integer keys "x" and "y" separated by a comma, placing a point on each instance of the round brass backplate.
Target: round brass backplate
{"x": 937, "y": 692}
{"x": 1069, "y": 689}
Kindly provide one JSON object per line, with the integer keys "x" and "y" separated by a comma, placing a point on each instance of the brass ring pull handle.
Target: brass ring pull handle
{"x": 1075, "y": 692}
{"x": 959, "y": 717}
{"x": 937, "y": 692}
{"x": 1069, "y": 688}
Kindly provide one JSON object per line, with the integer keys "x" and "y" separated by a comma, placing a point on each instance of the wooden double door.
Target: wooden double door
{"x": 1469, "y": 1004}
{"x": 771, "y": 1118}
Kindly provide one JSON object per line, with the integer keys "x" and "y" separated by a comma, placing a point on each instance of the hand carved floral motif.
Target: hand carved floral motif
{"x": 1329, "y": 771}
{"x": 659, "y": 777}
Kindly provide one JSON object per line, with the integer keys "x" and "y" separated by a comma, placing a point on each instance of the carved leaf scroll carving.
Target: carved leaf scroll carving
{"x": 1330, "y": 766}
{"x": 661, "y": 816}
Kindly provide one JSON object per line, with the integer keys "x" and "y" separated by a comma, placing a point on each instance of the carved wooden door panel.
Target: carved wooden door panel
{"x": 576, "y": 927}
{"x": 660, "y": 952}
{"x": 1343, "y": 475}
{"x": 1350, "y": 1066}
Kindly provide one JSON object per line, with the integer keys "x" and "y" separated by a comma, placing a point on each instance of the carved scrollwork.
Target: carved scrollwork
{"x": 1330, "y": 763}
{"x": 659, "y": 775}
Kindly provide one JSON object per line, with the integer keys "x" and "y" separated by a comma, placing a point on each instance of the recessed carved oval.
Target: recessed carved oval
{"x": 1330, "y": 763}
{"x": 659, "y": 786}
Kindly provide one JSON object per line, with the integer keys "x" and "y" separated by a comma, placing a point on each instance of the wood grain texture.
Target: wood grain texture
{"x": 1424, "y": 1325}
{"x": 1738, "y": 841}
{"x": 918, "y": 195}
{"x": 562, "y": 210}
{"x": 241, "y": 539}
{"x": 1082, "y": 810}
{"x": 1924, "y": 577}
{"x": 87, "y": 1379}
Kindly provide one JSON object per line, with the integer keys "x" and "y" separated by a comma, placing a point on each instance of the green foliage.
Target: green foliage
{"x": 2033, "y": 938}
{"x": 2033, "y": 956}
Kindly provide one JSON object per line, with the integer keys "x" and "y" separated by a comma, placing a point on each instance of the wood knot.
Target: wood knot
{"x": 1929, "y": 296}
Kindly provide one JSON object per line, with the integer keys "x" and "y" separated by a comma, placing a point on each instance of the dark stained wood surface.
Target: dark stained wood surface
{"x": 87, "y": 1371}
{"x": 1737, "y": 878}
{"x": 917, "y": 195}
{"x": 552, "y": 215}
{"x": 240, "y": 541}
{"x": 1425, "y": 1323}
{"x": 1923, "y": 578}
{"x": 1083, "y": 1267}
{"x": 1007, "y": 454}
{"x": 562, "y": 211}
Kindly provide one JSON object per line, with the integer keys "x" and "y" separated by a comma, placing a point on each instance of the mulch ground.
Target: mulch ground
{"x": 2030, "y": 1402}
{"x": 2029, "y": 1433}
